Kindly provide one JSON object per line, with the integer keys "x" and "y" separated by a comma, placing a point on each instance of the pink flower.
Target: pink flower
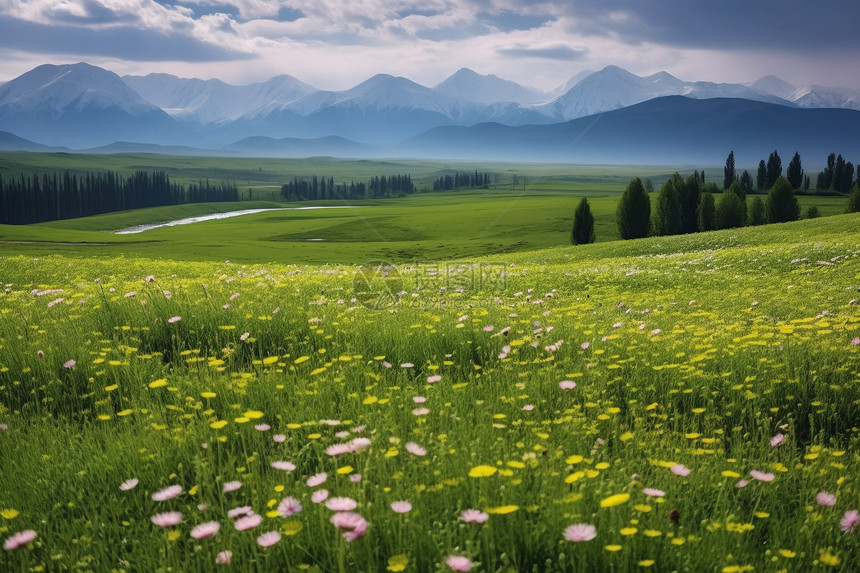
{"x": 567, "y": 384}
{"x": 434, "y": 379}
{"x": 248, "y": 522}
{"x": 262, "y": 427}
{"x": 353, "y": 524}
{"x": 224, "y": 557}
{"x": 319, "y": 496}
{"x": 167, "y": 493}
{"x": 529, "y": 407}
{"x": 407, "y": 365}
{"x": 279, "y": 438}
{"x": 458, "y": 563}
{"x": 128, "y": 484}
{"x": 401, "y": 507}
{"x": 173, "y": 319}
{"x": 21, "y": 539}
{"x": 488, "y": 328}
{"x": 355, "y": 478}
{"x": 420, "y": 411}
{"x": 415, "y": 449}
{"x": 317, "y": 479}
{"x": 761, "y": 476}
{"x": 289, "y": 506}
{"x": 283, "y": 466}
{"x": 419, "y": 399}
{"x": 237, "y": 511}
{"x": 680, "y": 470}
{"x": 356, "y": 445}
{"x": 341, "y": 504}
{"x": 244, "y": 336}
{"x": 656, "y": 331}
{"x": 149, "y": 278}
{"x": 229, "y": 486}
{"x": 268, "y": 539}
{"x": 653, "y": 492}
{"x": 849, "y": 521}
{"x": 474, "y": 516}
{"x": 855, "y": 341}
{"x": 580, "y": 532}
{"x": 167, "y": 519}
{"x": 205, "y": 530}
{"x": 742, "y": 483}
{"x": 70, "y": 363}
{"x": 585, "y": 345}
{"x": 777, "y": 440}
{"x": 824, "y": 498}
{"x": 234, "y": 296}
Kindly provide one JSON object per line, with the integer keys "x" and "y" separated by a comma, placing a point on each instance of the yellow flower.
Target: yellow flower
{"x": 502, "y": 509}
{"x": 173, "y": 535}
{"x": 646, "y": 563}
{"x": 291, "y": 527}
{"x": 344, "y": 470}
{"x": 158, "y": 383}
{"x": 208, "y": 394}
{"x": 827, "y": 558}
{"x": 614, "y": 500}
{"x": 575, "y": 459}
{"x": 642, "y": 508}
{"x": 787, "y": 553}
{"x": 628, "y": 531}
{"x": 613, "y": 548}
{"x": 253, "y": 414}
{"x": 398, "y": 562}
{"x": 626, "y": 436}
{"x": 482, "y": 471}
{"x": 652, "y": 533}
{"x": 218, "y": 425}
{"x": 730, "y": 474}
{"x": 9, "y": 513}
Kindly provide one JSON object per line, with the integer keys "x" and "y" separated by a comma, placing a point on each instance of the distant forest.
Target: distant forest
{"x": 316, "y": 188}
{"x": 38, "y": 199}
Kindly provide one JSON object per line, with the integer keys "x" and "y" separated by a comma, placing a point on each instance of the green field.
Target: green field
{"x": 425, "y": 226}
{"x": 498, "y": 399}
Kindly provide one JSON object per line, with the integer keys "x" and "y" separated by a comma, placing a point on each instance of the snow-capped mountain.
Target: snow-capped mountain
{"x": 80, "y": 105}
{"x": 810, "y": 96}
{"x": 615, "y": 88}
{"x": 213, "y": 101}
{"x": 468, "y": 85}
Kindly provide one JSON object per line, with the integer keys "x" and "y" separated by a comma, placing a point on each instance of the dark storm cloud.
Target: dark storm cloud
{"x": 125, "y": 42}
{"x": 561, "y": 52}
{"x": 783, "y": 25}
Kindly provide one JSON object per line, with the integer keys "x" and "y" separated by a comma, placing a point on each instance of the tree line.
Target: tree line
{"x": 50, "y": 197}
{"x": 461, "y": 180}
{"x": 689, "y": 205}
{"x": 319, "y": 188}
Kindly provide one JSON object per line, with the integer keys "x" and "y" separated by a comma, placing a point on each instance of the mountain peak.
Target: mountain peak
{"x": 469, "y": 85}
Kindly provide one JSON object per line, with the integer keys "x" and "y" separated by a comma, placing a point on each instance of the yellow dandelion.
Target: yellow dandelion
{"x": 646, "y": 563}
{"x": 502, "y": 509}
{"x": 788, "y": 554}
{"x": 158, "y": 383}
{"x": 628, "y": 531}
{"x": 613, "y": 548}
{"x": 482, "y": 471}
{"x": 9, "y": 513}
{"x": 614, "y": 500}
{"x": 291, "y": 527}
{"x": 398, "y": 562}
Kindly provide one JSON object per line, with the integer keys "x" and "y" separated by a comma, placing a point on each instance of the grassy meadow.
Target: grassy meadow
{"x": 231, "y": 395}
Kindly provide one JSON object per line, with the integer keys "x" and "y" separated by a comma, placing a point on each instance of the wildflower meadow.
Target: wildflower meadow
{"x": 671, "y": 404}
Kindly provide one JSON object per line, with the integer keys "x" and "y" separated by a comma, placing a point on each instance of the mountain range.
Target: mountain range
{"x": 81, "y": 106}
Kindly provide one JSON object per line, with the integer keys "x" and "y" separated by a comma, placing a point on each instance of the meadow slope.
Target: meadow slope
{"x": 691, "y": 403}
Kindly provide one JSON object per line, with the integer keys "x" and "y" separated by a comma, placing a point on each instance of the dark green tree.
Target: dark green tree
{"x": 812, "y": 212}
{"x": 825, "y": 178}
{"x": 668, "y": 216}
{"x": 854, "y": 198}
{"x": 774, "y": 168}
{"x": 730, "y": 211}
{"x": 729, "y": 174}
{"x": 583, "y": 224}
{"x": 746, "y": 185}
{"x": 794, "y": 173}
{"x": 838, "y": 174}
{"x": 649, "y": 185}
{"x": 707, "y": 212}
{"x": 761, "y": 177}
{"x": 782, "y": 205}
{"x": 757, "y": 214}
{"x": 633, "y": 214}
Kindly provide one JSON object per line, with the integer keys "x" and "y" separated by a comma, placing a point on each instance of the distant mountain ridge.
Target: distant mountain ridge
{"x": 82, "y": 107}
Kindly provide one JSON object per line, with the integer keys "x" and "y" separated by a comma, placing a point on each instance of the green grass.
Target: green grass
{"x": 699, "y": 350}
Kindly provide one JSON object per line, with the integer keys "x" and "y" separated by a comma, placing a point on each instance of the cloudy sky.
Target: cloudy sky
{"x": 334, "y": 44}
